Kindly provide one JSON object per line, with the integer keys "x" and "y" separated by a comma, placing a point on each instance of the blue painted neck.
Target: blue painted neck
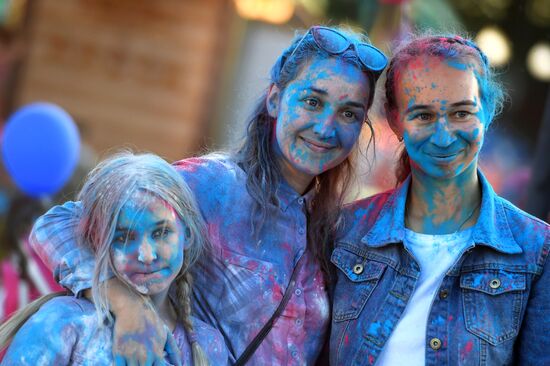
{"x": 443, "y": 206}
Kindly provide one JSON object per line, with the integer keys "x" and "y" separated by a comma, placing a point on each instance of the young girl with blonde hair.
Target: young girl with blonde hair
{"x": 142, "y": 223}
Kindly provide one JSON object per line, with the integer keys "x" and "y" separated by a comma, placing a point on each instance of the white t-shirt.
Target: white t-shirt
{"x": 435, "y": 255}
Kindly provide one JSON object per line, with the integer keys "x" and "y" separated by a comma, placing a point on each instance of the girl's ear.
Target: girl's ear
{"x": 272, "y": 101}
{"x": 392, "y": 118}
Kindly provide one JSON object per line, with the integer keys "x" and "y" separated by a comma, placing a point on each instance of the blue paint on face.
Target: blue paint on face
{"x": 412, "y": 101}
{"x": 443, "y": 130}
{"x": 319, "y": 117}
{"x": 442, "y": 125}
{"x": 148, "y": 244}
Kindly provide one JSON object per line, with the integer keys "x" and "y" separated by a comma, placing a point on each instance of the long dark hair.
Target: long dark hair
{"x": 445, "y": 47}
{"x": 257, "y": 158}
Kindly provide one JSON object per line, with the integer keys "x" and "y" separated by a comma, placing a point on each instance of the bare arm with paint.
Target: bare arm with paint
{"x": 137, "y": 339}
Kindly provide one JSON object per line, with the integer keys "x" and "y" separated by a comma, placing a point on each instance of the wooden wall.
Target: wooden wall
{"x": 134, "y": 73}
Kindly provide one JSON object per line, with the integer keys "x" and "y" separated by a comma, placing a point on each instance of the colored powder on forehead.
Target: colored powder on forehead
{"x": 457, "y": 64}
{"x": 321, "y": 74}
{"x": 416, "y": 63}
{"x": 337, "y": 66}
{"x": 342, "y": 97}
{"x": 140, "y": 201}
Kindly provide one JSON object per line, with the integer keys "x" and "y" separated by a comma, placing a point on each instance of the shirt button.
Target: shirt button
{"x": 301, "y": 200}
{"x": 294, "y": 354}
{"x": 443, "y": 294}
{"x": 358, "y": 269}
{"x": 299, "y": 322}
{"x": 435, "y": 343}
{"x": 494, "y": 284}
{"x": 301, "y": 231}
{"x": 298, "y": 291}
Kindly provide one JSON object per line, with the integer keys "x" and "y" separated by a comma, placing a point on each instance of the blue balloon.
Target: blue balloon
{"x": 40, "y": 147}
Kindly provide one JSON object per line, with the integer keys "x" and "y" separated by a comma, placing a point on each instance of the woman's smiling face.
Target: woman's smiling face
{"x": 319, "y": 115}
{"x": 439, "y": 115}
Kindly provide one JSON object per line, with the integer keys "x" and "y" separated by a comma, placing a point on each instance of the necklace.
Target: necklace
{"x": 469, "y": 217}
{"x": 461, "y": 225}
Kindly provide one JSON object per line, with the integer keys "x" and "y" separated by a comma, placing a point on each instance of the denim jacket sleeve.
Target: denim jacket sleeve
{"x": 53, "y": 238}
{"x": 534, "y": 338}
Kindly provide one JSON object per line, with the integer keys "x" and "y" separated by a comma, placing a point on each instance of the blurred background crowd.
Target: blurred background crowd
{"x": 179, "y": 77}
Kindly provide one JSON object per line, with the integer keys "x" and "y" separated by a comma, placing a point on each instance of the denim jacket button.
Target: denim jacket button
{"x": 443, "y": 294}
{"x": 435, "y": 343}
{"x": 358, "y": 269}
{"x": 494, "y": 284}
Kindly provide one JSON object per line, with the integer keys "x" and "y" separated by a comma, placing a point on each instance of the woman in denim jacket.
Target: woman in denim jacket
{"x": 441, "y": 270}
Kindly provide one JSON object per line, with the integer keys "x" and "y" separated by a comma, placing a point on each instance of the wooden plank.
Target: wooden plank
{"x": 131, "y": 72}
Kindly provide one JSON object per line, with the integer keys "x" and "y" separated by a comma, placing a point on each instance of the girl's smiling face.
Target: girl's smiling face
{"x": 319, "y": 116}
{"x": 148, "y": 246}
{"x": 439, "y": 115}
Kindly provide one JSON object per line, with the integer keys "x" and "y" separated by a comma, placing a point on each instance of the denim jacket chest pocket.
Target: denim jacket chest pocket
{"x": 493, "y": 301}
{"x": 357, "y": 278}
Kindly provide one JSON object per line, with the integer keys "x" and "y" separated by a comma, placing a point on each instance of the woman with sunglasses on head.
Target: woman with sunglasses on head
{"x": 271, "y": 210}
{"x": 441, "y": 270}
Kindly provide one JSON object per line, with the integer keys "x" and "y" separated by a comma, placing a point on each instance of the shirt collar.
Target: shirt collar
{"x": 491, "y": 228}
{"x": 389, "y": 227}
{"x": 287, "y": 195}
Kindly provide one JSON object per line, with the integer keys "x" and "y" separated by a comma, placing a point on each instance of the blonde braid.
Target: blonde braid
{"x": 184, "y": 286}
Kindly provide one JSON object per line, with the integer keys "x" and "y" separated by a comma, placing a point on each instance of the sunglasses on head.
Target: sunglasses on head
{"x": 336, "y": 43}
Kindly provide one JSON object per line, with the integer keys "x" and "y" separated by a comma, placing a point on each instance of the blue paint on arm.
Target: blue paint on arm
{"x": 47, "y": 338}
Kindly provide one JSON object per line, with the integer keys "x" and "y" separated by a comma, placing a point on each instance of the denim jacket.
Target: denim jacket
{"x": 492, "y": 308}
